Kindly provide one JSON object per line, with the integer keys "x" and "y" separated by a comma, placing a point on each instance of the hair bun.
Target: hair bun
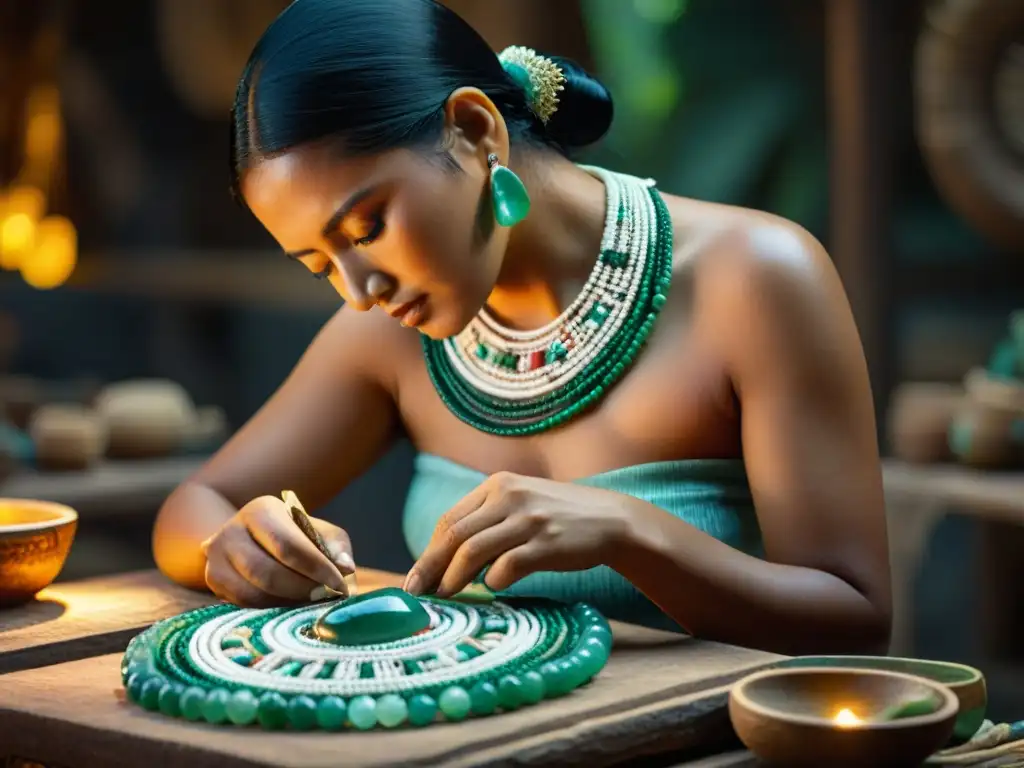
{"x": 585, "y": 108}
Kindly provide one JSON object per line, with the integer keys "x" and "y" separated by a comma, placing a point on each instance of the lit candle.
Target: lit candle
{"x": 846, "y": 719}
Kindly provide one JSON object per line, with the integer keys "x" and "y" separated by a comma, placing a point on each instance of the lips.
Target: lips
{"x": 411, "y": 313}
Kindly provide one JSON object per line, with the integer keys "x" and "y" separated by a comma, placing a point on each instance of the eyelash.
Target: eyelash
{"x": 378, "y": 229}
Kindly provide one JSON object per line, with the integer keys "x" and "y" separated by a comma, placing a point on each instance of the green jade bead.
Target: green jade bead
{"x": 192, "y": 703}
{"x": 381, "y": 616}
{"x": 572, "y": 669}
{"x": 533, "y": 687}
{"x": 509, "y": 196}
{"x": 149, "y": 697}
{"x": 362, "y": 712}
{"x": 241, "y": 707}
{"x": 560, "y": 681}
{"x": 215, "y": 706}
{"x": 272, "y": 711}
{"x": 483, "y": 698}
{"x": 422, "y": 710}
{"x": 331, "y": 713}
{"x": 590, "y": 663}
{"x": 600, "y": 632}
{"x": 597, "y": 648}
{"x": 391, "y": 710}
{"x": 510, "y": 692}
{"x": 302, "y": 711}
{"x": 169, "y": 701}
{"x": 133, "y": 686}
{"x": 455, "y": 703}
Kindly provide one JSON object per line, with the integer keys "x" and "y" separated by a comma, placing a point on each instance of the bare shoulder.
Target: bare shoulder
{"x": 747, "y": 250}
{"x": 764, "y": 289}
{"x": 369, "y": 343}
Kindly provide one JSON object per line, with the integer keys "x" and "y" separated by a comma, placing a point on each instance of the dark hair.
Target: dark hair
{"x": 376, "y": 74}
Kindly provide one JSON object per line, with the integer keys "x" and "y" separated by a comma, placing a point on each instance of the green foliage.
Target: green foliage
{"x": 717, "y": 99}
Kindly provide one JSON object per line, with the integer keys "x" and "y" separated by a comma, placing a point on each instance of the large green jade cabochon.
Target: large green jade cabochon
{"x": 382, "y": 616}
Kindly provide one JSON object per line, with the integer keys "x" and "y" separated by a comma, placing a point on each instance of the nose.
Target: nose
{"x": 364, "y": 286}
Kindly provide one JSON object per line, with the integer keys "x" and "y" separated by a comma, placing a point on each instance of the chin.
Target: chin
{"x": 428, "y": 331}
{"x": 439, "y": 331}
{"x": 449, "y": 325}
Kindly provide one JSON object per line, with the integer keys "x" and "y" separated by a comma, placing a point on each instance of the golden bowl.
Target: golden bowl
{"x": 828, "y": 716}
{"x": 35, "y": 537}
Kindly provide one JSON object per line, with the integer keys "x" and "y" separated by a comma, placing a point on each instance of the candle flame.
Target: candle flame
{"x": 846, "y": 719}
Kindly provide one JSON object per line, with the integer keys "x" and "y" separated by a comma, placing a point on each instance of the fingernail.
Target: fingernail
{"x": 318, "y": 593}
{"x": 345, "y": 562}
{"x": 412, "y": 583}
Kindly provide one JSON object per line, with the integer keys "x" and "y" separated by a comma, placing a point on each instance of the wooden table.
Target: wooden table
{"x": 917, "y": 498}
{"x": 660, "y": 693}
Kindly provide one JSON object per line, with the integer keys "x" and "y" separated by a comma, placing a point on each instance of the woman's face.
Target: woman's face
{"x": 401, "y": 230}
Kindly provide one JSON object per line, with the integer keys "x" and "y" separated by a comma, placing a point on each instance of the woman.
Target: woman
{"x": 654, "y": 404}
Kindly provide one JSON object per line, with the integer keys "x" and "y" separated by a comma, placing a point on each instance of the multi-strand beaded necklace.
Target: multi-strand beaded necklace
{"x": 510, "y": 382}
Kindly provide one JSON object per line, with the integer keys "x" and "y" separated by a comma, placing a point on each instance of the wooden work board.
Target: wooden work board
{"x": 92, "y": 617}
{"x": 659, "y": 693}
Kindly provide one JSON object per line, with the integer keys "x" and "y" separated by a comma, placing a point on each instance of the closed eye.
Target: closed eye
{"x": 376, "y": 230}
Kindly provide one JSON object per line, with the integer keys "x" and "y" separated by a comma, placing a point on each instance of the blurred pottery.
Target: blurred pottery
{"x": 987, "y": 430}
{"x": 919, "y": 421}
{"x": 146, "y": 418}
{"x": 67, "y": 437}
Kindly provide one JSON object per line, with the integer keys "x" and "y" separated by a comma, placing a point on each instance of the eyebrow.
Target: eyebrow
{"x": 335, "y": 221}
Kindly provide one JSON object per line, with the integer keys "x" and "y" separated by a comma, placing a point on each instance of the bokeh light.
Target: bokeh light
{"x": 55, "y": 255}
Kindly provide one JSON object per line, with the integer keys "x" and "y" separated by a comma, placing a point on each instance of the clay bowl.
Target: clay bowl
{"x": 966, "y": 683}
{"x": 35, "y": 537}
{"x": 789, "y": 717}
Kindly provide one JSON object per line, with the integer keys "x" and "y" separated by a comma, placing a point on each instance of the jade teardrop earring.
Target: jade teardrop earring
{"x": 508, "y": 194}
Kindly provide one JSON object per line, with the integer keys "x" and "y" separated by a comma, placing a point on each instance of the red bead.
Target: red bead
{"x": 536, "y": 359}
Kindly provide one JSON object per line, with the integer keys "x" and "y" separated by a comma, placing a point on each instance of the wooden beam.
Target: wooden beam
{"x": 859, "y": 43}
{"x": 217, "y": 277}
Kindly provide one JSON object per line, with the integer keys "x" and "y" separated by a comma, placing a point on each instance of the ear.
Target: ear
{"x": 474, "y": 127}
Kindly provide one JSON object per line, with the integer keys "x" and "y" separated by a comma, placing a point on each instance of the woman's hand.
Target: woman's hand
{"x": 261, "y": 558}
{"x": 519, "y": 525}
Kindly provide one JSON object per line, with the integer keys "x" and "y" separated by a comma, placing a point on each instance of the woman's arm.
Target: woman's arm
{"x": 330, "y": 420}
{"x": 774, "y": 306}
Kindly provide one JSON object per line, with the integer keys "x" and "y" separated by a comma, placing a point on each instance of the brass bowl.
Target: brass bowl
{"x": 794, "y": 717}
{"x": 967, "y": 683}
{"x": 35, "y": 538}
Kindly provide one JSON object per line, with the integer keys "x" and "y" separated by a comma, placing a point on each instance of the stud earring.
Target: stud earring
{"x": 508, "y": 194}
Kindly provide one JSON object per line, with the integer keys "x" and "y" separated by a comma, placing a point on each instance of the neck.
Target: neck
{"x": 552, "y": 252}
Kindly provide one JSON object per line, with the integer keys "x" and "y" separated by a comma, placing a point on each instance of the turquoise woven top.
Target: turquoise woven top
{"x": 710, "y": 494}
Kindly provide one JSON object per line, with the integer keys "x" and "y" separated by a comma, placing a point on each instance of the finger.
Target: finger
{"x": 468, "y": 504}
{"x": 516, "y": 564}
{"x": 286, "y": 543}
{"x": 338, "y": 544}
{"x": 426, "y": 572}
{"x": 479, "y": 551}
{"x": 264, "y": 572}
{"x": 229, "y": 586}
